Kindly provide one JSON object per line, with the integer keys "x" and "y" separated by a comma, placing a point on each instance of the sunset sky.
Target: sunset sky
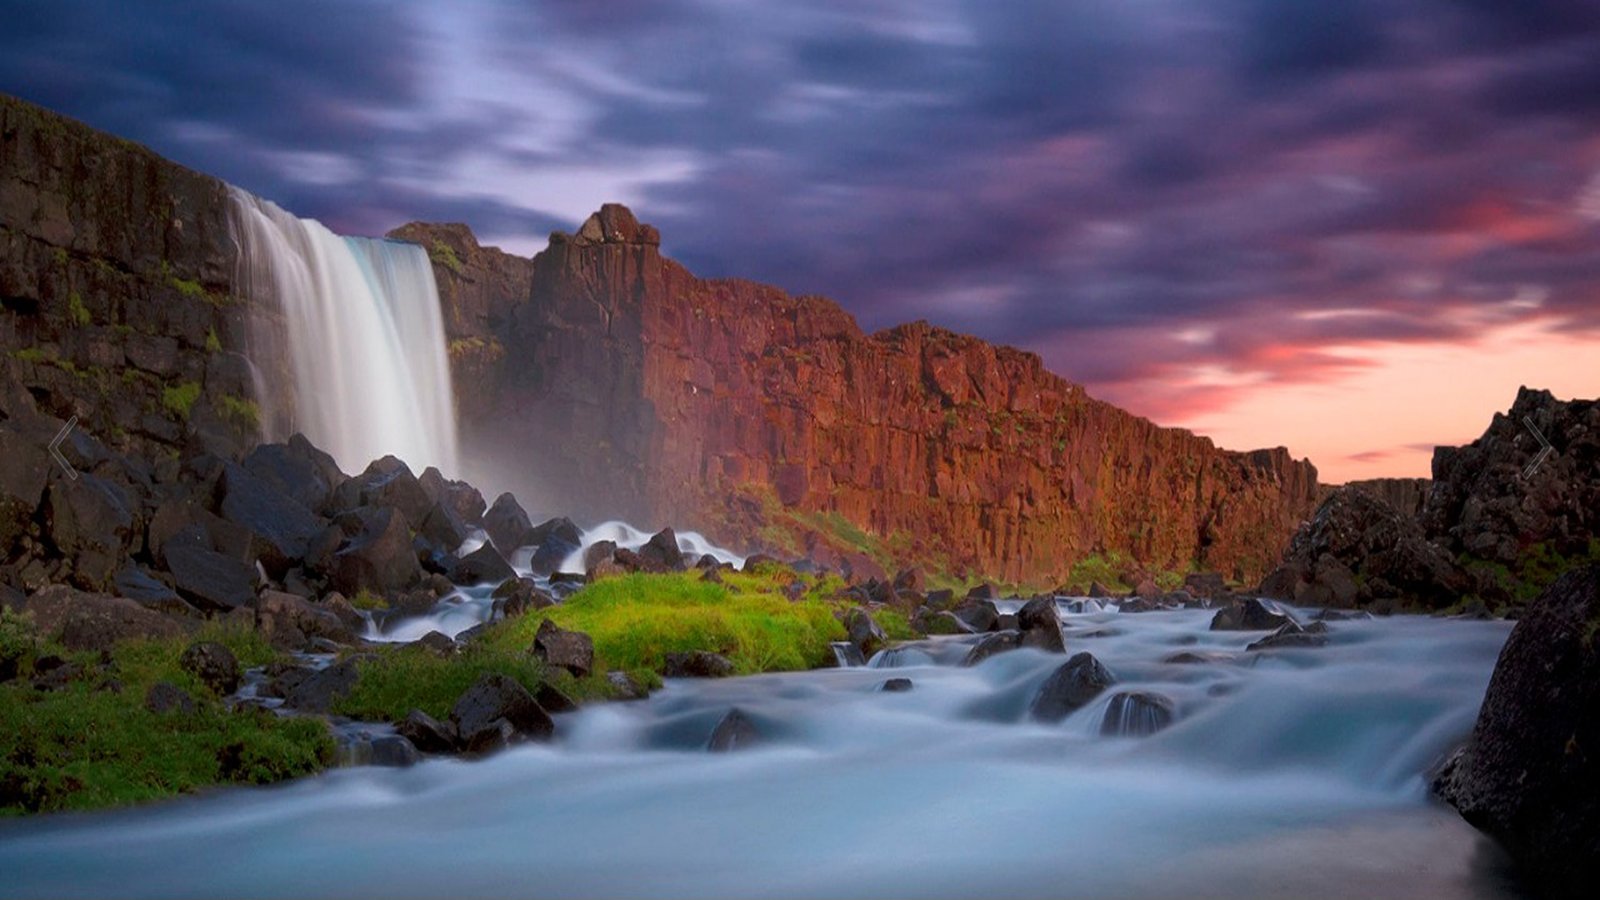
{"x": 1353, "y": 227}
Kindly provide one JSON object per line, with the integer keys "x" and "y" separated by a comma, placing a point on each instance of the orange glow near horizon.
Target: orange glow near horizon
{"x": 1382, "y": 415}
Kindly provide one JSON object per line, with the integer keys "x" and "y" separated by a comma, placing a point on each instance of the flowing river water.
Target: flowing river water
{"x": 1286, "y": 773}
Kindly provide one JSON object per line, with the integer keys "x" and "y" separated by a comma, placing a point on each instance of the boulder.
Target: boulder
{"x": 142, "y": 588}
{"x": 697, "y": 664}
{"x": 278, "y": 528}
{"x": 1136, "y": 714}
{"x": 91, "y": 522}
{"x": 296, "y": 470}
{"x": 1206, "y": 584}
{"x": 1248, "y": 615}
{"x": 438, "y": 643}
{"x": 625, "y": 687}
{"x": 563, "y": 649}
{"x": 426, "y": 733}
{"x": 508, "y": 524}
{"x": 1529, "y": 775}
{"x": 1039, "y": 620}
{"x": 519, "y": 596}
{"x": 92, "y": 622}
{"x": 213, "y": 665}
{"x": 387, "y": 482}
{"x": 998, "y": 642}
{"x": 978, "y": 615}
{"x": 164, "y": 697}
{"x": 442, "y": 528}
{"x": 864, "y": 632}
{"x": 931, "y": 621}
{"x": 316, "y": 691}
{"x": 484, "y": 565}
{"x": 289, "y": 622}
{"x": 379, "y": 558}
{"x": 210, "y": 580}
{"x": 1291, "y": 635}
{"x": 1071, "y": 686}
{"x": 494, "y": 703}
{"x": 661, "y": 552}
{"x": 734, "y": 732}
{"x": 462, "y": 499}
{"x": 896, "y": 686}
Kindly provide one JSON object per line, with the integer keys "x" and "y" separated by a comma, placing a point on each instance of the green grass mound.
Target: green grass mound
{"x": 90, "y": 745}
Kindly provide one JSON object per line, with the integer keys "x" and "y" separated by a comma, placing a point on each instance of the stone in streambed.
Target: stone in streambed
{"x": 896, "y": 686}
{"x": 1076, "y": 682}
{"x": 317, "y": 691}
{"x": 379, "y": 558}
{"x": 1291, "y": 635}
{"x": 484, "y": 565}
{"x": 864, "y": 632}
{"x": 734, "y": 732}
{"x": 507, "y": 524}
{"x": 494, "y": 704}
{"x": 626, "y": 687}
{"x": 1039, "y": 620}
{"x": 426, "y": 733}
{"x": 1248, "y": 615}
{"x": 998, "y": 642}
{"x": 1136, "y": 714}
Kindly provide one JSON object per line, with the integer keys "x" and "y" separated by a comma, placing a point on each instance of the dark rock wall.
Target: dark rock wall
{"x": 115, "y": 299}
{"x": 630, "y": 387}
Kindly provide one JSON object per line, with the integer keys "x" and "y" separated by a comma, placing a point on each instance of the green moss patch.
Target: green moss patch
{"x": 179, "y": 399}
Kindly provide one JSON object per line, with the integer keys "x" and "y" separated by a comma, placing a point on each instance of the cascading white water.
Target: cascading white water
{"x": 362, "y": 333}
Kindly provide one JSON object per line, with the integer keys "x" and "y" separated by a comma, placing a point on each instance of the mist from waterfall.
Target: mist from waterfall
{"x": 360, "y": 328}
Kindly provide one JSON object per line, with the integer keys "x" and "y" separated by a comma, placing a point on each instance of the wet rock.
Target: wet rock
{"x": 978, "y": 615}
{"x": 484, "y": 565}
{"x": 442, "y": 529}
{"x": 896, "y": 686}
{"x": 931, "y": 621}
{"x": 847, "y": 655}
{"x": 563, "y": 649}
{"x": 1529, "y": 775}
{"x": 493, "y": 700}
{"x": 393, "y": 751}
{"x": 1343, "y": 615}
{"x": 1206, "y": 584}
{"x": 1291, "y": 635}
{"x": 1248, "y": 615}
{"x": 697, "y": 664}
{"x": 387, "y": 482}
{"x": 508, "y": 525}
{"x": 317, "y": 691}
{"x": 426, "y": 733}
{"x": 985, "y": 591}
{"x": 998, "y": 642}
{"x": 1099, "y": 591}
{"x": 379, "y": 558}
{"x": 661, "y": 551}
{"x": 519, "y": 596}
{"x": 1072, "y": 685}
{"x": 1039, "y": 620}
{"x": 438, "y": 643}
{"x": 214, "y": 665}
{"x": 625, "y": 687}
{"x": 599, "y": 553}
{"x": 142, "y": 588}
{"x": 911, "y": 579}
{"x": 296, "y": 470}
{"x": 164, "y": 697}
{"x": 864, "y": 632}
{"x": 553, "y": 699}
{"x": 461, "y": 499}
{"x": 1195, "y": 658}
{"x": 734, "y": 732}
{"x": 1136, "y": 714}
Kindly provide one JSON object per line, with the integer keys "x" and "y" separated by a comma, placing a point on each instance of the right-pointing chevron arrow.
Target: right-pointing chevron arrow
{"x": 1544, "y": 452}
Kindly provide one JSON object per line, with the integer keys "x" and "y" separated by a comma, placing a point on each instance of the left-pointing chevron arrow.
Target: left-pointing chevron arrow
{"x": 55, "y": 448}
{"x": 1544, "y": 452}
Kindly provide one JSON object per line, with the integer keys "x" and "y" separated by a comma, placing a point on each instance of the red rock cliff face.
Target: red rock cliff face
{"x": 631, "y": 387}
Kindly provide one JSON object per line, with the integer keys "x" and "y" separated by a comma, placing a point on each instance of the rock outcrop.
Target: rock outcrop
{"x": 1530, "y": 773}
{"x": 630, "y": 387}
{"x": 1495, "y": 528}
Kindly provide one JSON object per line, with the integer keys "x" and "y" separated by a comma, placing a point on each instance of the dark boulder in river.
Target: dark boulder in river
{"x": 697, "y": 664}
{"x": 1248, "y": 615}
{"x": 1530, "y": 774}
{"x": 1135, "y": 714}
{"x": 497, "y": 710}
{"x": 1071, "y": 686}
{"x": 734, "y": 732}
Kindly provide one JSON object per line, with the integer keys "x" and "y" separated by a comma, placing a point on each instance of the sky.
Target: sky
{"x": 1352, "y": 227}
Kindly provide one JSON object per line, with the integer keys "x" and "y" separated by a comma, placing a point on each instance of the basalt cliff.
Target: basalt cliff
{"x": 623, "y": 385}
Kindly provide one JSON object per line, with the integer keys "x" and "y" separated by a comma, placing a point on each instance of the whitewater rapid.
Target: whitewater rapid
{"x": 1296, "y": 773}
{"x": 359, "y": 321}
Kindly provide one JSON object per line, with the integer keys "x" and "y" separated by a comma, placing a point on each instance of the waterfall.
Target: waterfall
{"x": 359, "y": 326}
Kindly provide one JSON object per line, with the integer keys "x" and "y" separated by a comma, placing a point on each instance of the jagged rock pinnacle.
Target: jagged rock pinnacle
{"x": 615, "y": 224}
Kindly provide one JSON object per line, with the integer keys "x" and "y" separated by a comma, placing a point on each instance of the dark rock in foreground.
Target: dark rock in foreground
{"x": 1248, "y": 615}
{"x": 1076, "y": 682}
{"x": 896, "y": 686}
{"x": 563, "y": 649}
{"x": 214, "y": 665}
{"x": 1530, "y": 774}
{"x": 496, "y": 711}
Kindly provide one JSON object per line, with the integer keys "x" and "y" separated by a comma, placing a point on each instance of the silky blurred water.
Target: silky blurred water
{"x": 1292, "y": 773}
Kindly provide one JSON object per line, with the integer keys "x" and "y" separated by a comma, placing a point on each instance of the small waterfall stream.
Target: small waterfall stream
{"x": 362, "y": 333}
